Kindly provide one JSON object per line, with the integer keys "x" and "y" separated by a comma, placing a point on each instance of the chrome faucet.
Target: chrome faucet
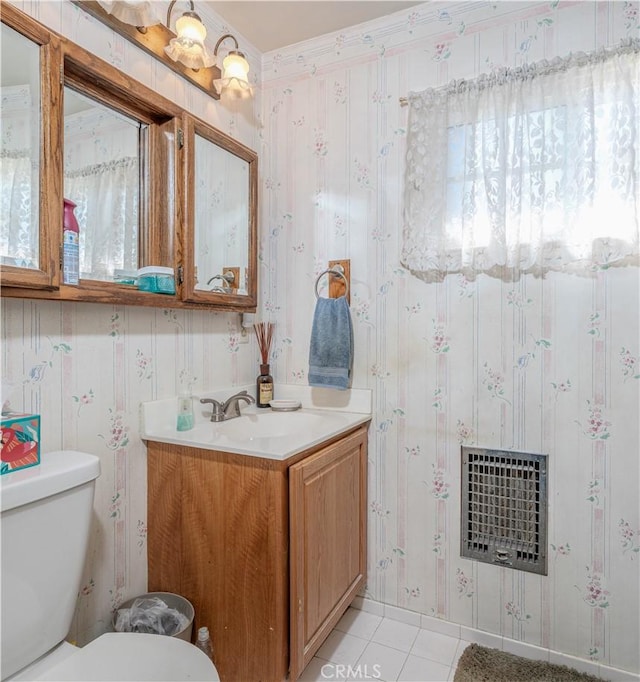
{"x": 227, "y": 279}
{"x": 230, "y": 409}
{"x": 218, "y": 411}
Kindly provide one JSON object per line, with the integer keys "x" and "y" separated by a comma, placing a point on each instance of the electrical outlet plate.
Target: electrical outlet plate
{"x": 242, "y": 331}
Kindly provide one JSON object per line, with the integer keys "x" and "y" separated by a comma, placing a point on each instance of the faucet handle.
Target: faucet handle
{"x": 231, "y": 406}
{"x": 217, "y": 415}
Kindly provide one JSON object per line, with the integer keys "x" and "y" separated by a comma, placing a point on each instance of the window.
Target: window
{"x": 527, "y": 170}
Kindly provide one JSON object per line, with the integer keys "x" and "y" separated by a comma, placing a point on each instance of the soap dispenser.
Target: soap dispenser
{"x": 185, "y": 411}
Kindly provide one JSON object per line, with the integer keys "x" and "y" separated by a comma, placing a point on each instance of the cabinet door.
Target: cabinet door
{"x": 219, "y": 235}
{"x": 30, "y": 146}
{"x": 327, "y": 519}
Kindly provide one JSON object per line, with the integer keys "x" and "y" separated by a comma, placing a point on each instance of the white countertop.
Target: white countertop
{"x": 261, "y": 432}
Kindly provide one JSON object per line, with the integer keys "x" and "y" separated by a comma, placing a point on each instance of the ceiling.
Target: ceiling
{"x": 271, "y": 25}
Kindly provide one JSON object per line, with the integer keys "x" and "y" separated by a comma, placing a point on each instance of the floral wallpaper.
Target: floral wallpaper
{"x": 545, "y": 365}
{"x": 85, "y": 368}
{"x": 49, "y": 362}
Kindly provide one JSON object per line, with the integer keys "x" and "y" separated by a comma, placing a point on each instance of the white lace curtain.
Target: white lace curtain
{"x": 18, "y": 211}
{"x": 102, "y": 177}
{"x": 19, "y": 127}
{"x": 107, "y": 211}
{"x": 107, "y": 204}
{"x": 526, "y": 170}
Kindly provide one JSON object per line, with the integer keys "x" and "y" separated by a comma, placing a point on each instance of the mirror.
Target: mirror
{"x": 151, "y": 184}
{"x": 102, "y": 171}
{"x": 19, "y": 150}
{"x": 221, "y": 219}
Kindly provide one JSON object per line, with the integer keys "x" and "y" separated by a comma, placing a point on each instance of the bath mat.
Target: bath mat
{"x": 480, "y": 664}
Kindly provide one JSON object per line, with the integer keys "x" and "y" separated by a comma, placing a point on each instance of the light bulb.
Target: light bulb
{"x": 190, "y": 29}
{"x": 235, "y": 74}
{"x": 188, "y": 47}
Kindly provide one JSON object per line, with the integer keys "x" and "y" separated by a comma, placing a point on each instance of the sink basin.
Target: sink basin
{"x": 257, "y": 432}
{"x": 270, "y": 424}
{"x": 272, "y": 435}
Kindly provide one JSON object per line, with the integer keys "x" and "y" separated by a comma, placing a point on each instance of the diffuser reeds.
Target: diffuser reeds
{"x": 264, "y": 334}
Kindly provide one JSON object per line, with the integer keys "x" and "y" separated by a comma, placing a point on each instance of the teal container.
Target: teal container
{"x": 128, "y": 277}
{"x": 156, "y": 279}
{"x": 186, "y": 417}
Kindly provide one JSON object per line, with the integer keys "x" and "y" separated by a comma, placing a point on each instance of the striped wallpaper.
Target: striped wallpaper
{"x": 546, "y": 365}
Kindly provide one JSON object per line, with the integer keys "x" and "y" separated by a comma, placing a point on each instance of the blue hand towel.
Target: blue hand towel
{"x": 331, "y": 349}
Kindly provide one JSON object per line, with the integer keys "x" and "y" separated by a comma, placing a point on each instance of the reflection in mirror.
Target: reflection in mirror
{"x": 19, "y": 149}
{"x": 221, "y": 219}
{"x": 102, "y": 177}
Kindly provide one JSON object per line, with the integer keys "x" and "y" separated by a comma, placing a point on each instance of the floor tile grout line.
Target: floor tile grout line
{"x": 453, "y": 657}
{"x": 433, "y": 660}
{"x": 377, "y": 628}
{"x": 382, "y": 618}
{"x": 406, "y": 654}
{"x": 388, "y": 647}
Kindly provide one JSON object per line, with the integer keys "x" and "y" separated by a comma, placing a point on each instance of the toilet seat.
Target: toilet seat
{"x": 134, "y": 657}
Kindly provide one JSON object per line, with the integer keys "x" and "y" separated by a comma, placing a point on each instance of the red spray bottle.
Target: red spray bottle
{"x": 71, "y": 245}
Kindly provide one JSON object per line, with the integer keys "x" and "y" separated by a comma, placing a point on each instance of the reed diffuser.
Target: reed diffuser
{"x": 264, "y": 383}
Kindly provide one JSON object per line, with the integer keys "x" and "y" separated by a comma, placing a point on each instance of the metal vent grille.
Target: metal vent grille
{"x": 504, "y": 508}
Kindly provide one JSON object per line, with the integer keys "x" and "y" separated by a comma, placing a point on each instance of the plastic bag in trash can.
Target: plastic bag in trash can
{"x": 151, "y": 615}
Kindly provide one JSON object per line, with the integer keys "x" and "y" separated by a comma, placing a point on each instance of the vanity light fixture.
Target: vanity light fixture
{"x": 235, "y": 70}
{"x": 154, "y": 38}
{"x": 188, "y": 46}
{"x": 183, "y": 51}
{"x": 138, "y": 13}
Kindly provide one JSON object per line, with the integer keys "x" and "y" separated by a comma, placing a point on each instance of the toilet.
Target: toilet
{"x": 46, "y": 517}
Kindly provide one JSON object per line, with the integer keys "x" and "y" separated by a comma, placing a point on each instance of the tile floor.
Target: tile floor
{"x": 378, "y": 648}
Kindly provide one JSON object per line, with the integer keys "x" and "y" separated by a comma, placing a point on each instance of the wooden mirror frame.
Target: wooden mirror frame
{"x": 47, "y": 275}
{"x": 192, "y": 127}
{"x": 167, "y": 231}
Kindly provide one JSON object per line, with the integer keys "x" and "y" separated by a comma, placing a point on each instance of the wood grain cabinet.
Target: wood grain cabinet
{"x": 270, "y": 553}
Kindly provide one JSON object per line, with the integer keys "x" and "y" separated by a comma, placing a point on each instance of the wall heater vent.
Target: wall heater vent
{"x": 504, "y": 508}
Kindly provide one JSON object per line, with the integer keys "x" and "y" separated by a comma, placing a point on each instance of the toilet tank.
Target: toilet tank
{"x": 46, "y": 516}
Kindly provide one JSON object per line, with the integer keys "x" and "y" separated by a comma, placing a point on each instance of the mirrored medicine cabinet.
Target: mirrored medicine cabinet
{"x": 151, "y": 184}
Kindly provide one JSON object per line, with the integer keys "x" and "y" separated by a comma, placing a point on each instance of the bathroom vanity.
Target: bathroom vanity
{"x": 270, "y": 550}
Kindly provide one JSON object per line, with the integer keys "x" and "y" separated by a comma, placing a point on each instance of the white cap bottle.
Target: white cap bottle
{"x": 204, "y": 642}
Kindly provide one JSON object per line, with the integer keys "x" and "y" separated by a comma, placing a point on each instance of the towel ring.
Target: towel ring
{"x": 336, "y": 270}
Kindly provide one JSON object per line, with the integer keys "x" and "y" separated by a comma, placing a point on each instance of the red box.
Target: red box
{"x": 20, "y": 441}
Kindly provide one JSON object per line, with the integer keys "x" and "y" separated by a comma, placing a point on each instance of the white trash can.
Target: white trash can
{"x": 173, "y": 601}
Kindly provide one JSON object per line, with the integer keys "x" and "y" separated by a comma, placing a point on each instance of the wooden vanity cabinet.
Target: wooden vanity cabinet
{"x": 270, "y": 553}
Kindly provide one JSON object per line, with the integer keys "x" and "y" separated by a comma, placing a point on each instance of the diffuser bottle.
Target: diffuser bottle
{"x": 264, "y": 387}
{"x": 264, "y": 383}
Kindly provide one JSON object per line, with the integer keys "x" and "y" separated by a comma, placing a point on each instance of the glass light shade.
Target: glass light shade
{"x": 190, "y": 29}
{"x": 188, "y": 47}
{"x": 235, "y": 69}
{"x": 194, "y": 56}
{"x": 133, "y": 12}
